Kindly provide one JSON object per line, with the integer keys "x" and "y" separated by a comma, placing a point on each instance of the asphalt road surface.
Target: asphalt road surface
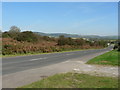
{"x": 20, "y": 63}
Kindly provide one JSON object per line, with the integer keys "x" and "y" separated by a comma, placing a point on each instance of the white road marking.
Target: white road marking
{"x": 37, "y": 59}
{"x": 25, "y": 61}
{"x": 70, "y": 54}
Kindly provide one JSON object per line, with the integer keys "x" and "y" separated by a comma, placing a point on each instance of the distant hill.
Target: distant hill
{"x": 77, "y": 36}
{"x": 58, "y": 34}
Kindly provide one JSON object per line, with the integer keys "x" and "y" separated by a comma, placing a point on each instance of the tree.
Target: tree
{"x": 14, "y": 32}
{"x": 14, "y": 29}
{"x": 61, "y": 40}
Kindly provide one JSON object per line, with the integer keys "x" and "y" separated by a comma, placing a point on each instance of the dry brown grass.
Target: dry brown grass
{"x": 11, "y": 46}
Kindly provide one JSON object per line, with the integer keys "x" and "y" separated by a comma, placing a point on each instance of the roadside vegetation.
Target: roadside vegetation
{"x": 117, "y": 46}
{"x": 74, "y": 80}
{"x": 109, "y": 58}
{"x": 15, "y": 42}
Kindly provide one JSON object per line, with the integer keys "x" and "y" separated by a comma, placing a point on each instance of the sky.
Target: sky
{"x": 83, "y": 18}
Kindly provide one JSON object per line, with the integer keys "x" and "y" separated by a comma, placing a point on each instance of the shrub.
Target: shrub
{"x": 7, "y": 46}
{"x": 27, "y": 36}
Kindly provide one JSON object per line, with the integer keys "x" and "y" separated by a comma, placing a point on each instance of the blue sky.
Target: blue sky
{"x": 85, "y": 18}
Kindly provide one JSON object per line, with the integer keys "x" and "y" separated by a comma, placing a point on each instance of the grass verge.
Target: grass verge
{"x": 34, "y": 53}
{"x": 109, "y": 58}
{"x": 74, "y": 80}
{"x": 27, "y": 54}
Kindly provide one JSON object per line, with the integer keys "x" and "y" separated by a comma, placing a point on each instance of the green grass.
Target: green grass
{"x": 109, "y": 58}
{"x": 74, "y": 80}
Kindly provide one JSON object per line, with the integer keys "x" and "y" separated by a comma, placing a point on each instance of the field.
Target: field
{"x": 74, "y": 80}
{"x": 109, "y": 58}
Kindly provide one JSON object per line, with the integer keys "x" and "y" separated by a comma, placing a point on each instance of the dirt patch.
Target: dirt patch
{"x": 104, "y": 61}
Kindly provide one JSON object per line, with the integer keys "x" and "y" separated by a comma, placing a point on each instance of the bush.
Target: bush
{"x": 118, "y": 46}
{"x": 28, "y": 42}
{"x": 27, "y": 36}
{"x": 7, "y": 46}
{"x": 115, "y": 47}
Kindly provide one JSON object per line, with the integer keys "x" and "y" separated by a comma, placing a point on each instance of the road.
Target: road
{"x": 20, "y": 63}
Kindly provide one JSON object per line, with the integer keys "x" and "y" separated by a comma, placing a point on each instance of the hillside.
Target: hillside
{"x": 78, "y": 36}
{"x": 16, "y": 42}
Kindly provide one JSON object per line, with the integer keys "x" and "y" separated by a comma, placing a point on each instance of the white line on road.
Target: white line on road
{"x": 25, "y": 61}
{"x": 70, "y": 54}
{"x": 37, "y": 59}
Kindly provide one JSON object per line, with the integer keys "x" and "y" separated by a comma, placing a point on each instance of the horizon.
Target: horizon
{"x": 81, "y": 18}
{"x": 66, "y": 33}
{"x": 78, "y": 34}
